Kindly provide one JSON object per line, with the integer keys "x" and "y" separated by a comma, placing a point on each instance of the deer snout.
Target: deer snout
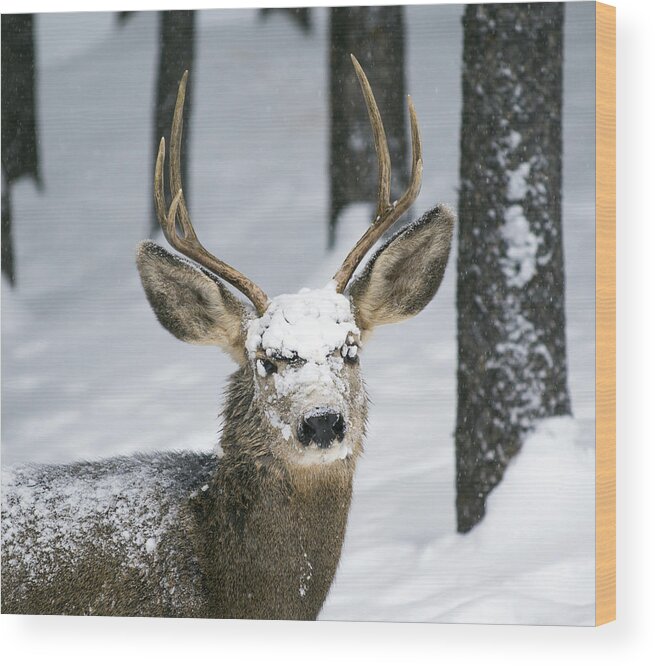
{"x": 321, "y": 426}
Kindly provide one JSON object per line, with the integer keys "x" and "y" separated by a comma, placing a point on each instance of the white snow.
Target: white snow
{"x": 87, "y": 371}
{"x": 306, "y": 576}
{"x": 278, "y": 423}
{"x": 514, "y": 139}
{"x": 306, "y": 329}
{"x": 311, "y": 375}
{"x": 127, "y": 498}
{"x": 542, "y": 513}
{"x": 520, "y": 261}
{"x": 517, "y": 186}
{"x": 309, "y": 325}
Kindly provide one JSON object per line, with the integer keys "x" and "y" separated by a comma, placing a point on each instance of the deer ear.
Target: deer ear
{"x": 404, "y": 275}
{"x": 189, "y": 303}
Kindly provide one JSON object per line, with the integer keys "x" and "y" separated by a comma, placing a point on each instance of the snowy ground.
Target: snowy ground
{"x": 88, "y": 372}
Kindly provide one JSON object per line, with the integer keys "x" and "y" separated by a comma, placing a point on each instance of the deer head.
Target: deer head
{"x": 301, "y": 351}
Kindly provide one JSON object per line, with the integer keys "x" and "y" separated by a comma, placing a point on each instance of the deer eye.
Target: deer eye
{"x": 350, "y": 353}
{"x": 265, "y": 367}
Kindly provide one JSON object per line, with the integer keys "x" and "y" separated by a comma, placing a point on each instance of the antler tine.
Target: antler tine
{"x": 175, "y": 172}
{"x": 160, "y": 197}
{"x": 380, "y": 138}
{"x": 387, "y": 213}
{"x": 188, "y": 243}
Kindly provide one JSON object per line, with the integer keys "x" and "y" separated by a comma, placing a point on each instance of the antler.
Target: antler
{"x": 188, "y": 243}
{"x": 387, "y": 212}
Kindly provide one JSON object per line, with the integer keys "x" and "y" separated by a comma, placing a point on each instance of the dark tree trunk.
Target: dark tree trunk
{"x": 301, "y": 16}
{"x": 510, "y": 289}
{"x": 5, "y": 232}
{"x": 19, "y": 141}
{"x": 124, "y": 17}
{"x": 176, "y": 48}
{"x": 376, "y": 37}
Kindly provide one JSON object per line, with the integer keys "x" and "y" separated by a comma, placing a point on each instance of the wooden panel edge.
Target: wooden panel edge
{"x": 605, "y": 313}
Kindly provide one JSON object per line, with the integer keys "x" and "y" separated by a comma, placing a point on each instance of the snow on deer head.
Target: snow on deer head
{"x": 304, "y": 354}
{"x": 300, "y": 352}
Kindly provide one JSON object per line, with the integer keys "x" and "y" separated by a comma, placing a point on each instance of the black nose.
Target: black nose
{"x": 321, "y": 427}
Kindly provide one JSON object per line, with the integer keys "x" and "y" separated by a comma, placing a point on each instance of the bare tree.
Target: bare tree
{"x": 176, "y": 51}
{"x": 510, "y": 291}
{"x": 19, "y": 139}
{"x": 300, "y": 16}
{"x": 376, "y": 36}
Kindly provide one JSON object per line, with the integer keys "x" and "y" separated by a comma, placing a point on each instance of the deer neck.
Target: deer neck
{"x": 271, "y": 537}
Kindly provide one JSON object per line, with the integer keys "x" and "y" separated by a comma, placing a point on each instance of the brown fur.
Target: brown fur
{"x": 189, "y": 302}
{"x": 405, "y": 273}
{"x": 255, "y": 534}
{"x": 262, "y": 541}
{"x": 282, "y": 526}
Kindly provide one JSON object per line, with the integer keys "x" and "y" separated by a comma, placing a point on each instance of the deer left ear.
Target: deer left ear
{"x": 404, "y": 275}
{"x": 189, "y": 303}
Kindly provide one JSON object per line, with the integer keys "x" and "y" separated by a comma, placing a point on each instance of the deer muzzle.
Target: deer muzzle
{"x": 322, "y": 427}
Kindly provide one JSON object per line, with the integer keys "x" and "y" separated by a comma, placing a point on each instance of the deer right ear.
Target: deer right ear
{"x": 405, "y": 273}
{"x": 190, "y": 304}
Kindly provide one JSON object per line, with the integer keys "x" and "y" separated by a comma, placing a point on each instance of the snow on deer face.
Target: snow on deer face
{"x": 304, "y": 355}
{"x": 302, "y": 349}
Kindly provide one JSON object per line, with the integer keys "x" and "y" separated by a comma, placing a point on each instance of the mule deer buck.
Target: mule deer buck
{"x": 258, "y": 532}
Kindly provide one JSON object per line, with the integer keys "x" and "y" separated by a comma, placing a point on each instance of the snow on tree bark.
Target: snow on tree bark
{"x": 510, "y": 289}
{"x": 376, "y": 37}
{"x": 19, "y": 141}
{"x": 176, "y": 49}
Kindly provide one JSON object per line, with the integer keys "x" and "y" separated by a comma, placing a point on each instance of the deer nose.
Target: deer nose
{"x": 322, "y": 427}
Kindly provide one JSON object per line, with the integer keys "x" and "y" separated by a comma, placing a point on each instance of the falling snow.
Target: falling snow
{"x": 88, "y": 372}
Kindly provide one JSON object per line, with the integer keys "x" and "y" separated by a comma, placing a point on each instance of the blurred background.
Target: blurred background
{"x": 88, "y": 372}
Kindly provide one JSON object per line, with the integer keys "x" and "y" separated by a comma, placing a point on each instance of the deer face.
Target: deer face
{"x": 304, "y": 357}
{"x": 301, "y": 350}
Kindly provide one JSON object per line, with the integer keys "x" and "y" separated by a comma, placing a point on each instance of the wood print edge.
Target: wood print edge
{"x": 605, "y": 313}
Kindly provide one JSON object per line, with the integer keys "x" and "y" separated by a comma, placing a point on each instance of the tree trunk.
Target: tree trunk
{"x": 19, "y": 141}
{"x": 176, "y": 48}
{"x": 301, "y": 16}
{"x": 510, "y": 288}
{"x": 7, "y": 253}
{"x": 376, "y": 37}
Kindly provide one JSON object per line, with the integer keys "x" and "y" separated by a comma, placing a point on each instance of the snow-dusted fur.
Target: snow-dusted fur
{"x": 258, "y": 532}
{"x": 177, "y": 534}
{"x": 104, "y": 538}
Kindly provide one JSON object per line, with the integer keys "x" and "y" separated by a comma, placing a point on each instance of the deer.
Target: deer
{"x": 257, "y": 531}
